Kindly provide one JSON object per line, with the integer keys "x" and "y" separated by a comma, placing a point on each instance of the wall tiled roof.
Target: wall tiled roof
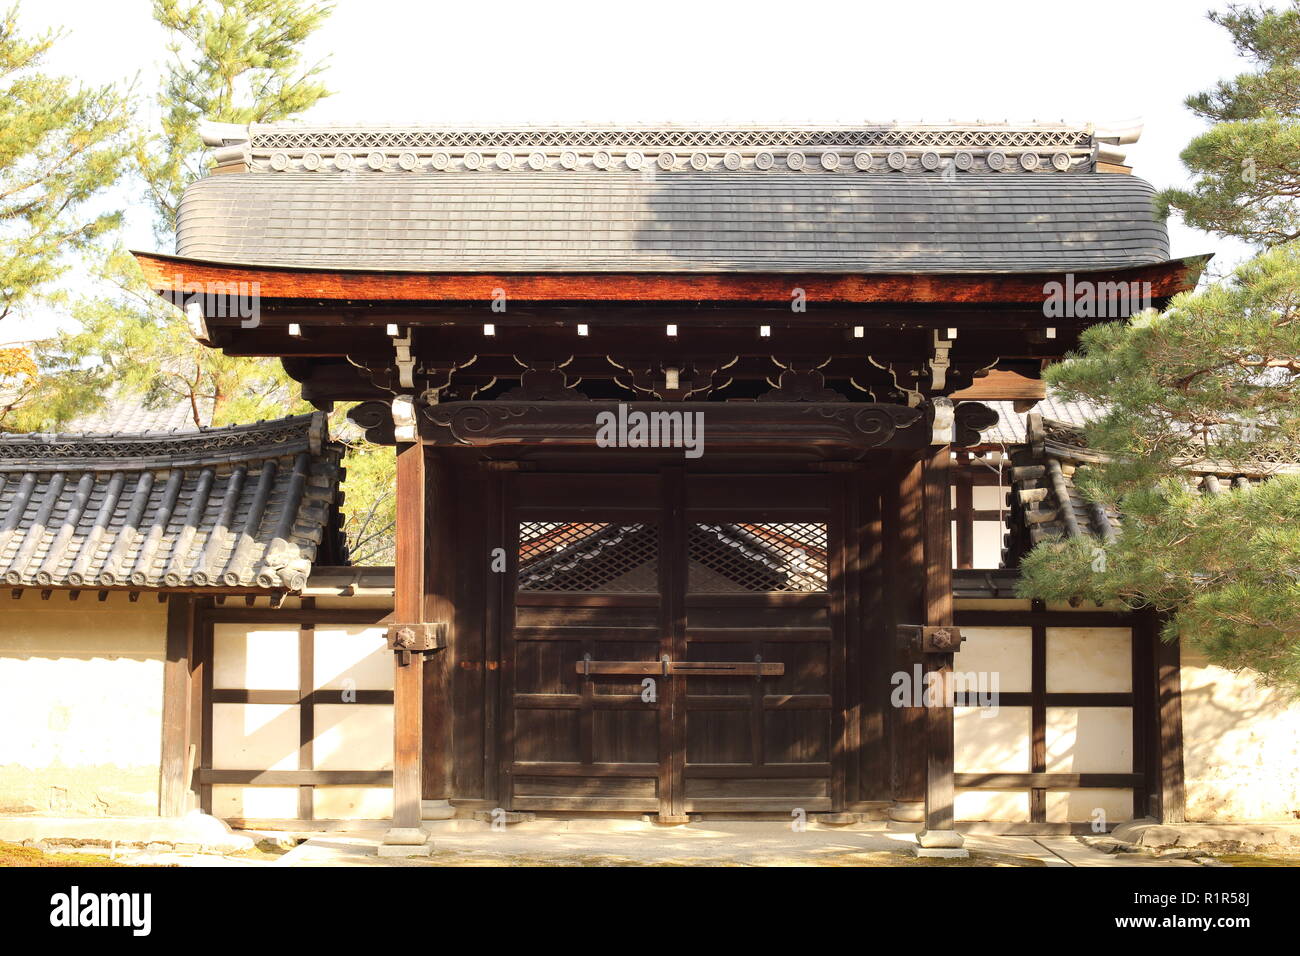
{"x": 1046, "y": 503}
{"x": 246, "y": 507}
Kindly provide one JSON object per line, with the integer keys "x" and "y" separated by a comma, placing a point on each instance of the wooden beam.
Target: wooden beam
{"x": 306, "y": 714}
{"x": 1046, "y": 781}
{"x": 964, "y": 513}
{"x": 1038, "y": 715}
{"x": 298, "y": 778}
{"x": 175, "y": 796}
{"x": 175, "y": 274}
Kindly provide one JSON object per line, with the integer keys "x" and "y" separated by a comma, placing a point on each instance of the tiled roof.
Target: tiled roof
{"x": 1046, "y": 503}
{"x": 1010, "y": 428}
{"x": 127, "y": 414}
{"x": 706, "y": 222}
{"x": 246, "y": 507}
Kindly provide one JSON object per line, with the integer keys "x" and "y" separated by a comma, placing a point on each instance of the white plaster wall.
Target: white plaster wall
{"x": 1000, "y": 806}
{"x": 353, "y": 737}
{"x": 256, "y": 657}
{"x": 1082, "y": 660}
{"x": 1241, "y": 746}
{"x": 356, "y": 657}
{"x": 1004, "y": 651}
{"x": 1089, "y": 740}
{"x": 991, "y": 741}
{"x": 255, "y": 736}
{"x": 81, "y": 686}
{"x": 1105, "y": 806}
{"x": 352, "y": 803}
{"x": 262, "y": 803}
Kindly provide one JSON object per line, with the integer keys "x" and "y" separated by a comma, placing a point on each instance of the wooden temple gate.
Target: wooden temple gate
{"x": 588, "y": 618}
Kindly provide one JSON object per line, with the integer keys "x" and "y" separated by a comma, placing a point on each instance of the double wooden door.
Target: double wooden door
{"x": 673, "y": 643}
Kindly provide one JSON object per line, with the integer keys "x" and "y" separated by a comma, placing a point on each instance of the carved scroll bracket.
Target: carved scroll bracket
{"x": 673, "y": 381}
{"x": 800, "y": 383}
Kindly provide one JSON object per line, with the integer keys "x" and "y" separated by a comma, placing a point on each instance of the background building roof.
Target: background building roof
{"x": 125, "y": 412}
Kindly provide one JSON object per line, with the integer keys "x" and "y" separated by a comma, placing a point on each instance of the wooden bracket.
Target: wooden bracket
{"x": 930, "y": 640}
{"x": 408, "y": 639}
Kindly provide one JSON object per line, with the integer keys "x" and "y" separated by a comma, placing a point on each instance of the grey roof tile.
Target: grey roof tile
{"x": 624, "y": 222}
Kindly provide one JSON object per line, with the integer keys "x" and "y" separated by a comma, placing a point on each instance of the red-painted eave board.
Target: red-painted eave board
{"x": 171, "y": 274}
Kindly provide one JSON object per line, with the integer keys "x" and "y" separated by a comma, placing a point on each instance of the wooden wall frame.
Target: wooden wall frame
{"x": 203, "y": 777}
{"x": 1039, "y": 781}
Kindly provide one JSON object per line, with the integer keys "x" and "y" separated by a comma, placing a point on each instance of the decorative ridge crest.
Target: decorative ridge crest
{"x": 899, "y": 147}
{"x": 259, "y": 440}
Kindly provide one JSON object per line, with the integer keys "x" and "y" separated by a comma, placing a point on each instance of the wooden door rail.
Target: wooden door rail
{"x": 665, "y": 668}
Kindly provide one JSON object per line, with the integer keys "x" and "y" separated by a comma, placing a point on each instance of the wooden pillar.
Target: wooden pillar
{"x": 939, "y": 789}
{"x": 964, "y": 511}
{"x": 408, "y": 683}
{"x": 175, "y": 791}
{"x": 903, "y": 519}
{"x": 440, "y": 605}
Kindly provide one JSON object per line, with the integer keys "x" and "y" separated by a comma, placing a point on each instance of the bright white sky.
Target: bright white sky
{"x": 710, "y": 61}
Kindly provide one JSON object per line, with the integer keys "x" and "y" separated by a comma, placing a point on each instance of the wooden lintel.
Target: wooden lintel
{"x": 851, "y": 425}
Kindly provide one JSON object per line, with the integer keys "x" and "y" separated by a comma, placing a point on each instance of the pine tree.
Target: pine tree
{"x": 1247, "y": 164}
{"x": 61, "y": 146}
{"x": 234, "y": 61}
{"x": 1215, "y": 378}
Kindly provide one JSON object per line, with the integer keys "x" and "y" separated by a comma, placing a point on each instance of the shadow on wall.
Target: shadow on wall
{"x": 1241, "y": 746}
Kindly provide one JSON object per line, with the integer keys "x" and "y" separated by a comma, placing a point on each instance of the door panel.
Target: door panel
{"x": 613, "y": 607}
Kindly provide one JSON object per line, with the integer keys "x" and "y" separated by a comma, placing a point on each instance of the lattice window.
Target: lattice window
{"x": 588, "y": 557}
{"x": 769, "y": 556}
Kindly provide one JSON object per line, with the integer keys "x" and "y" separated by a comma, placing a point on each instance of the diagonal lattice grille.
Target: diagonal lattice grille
{"x": 588, "y": 557}
{"x": 769, "y": 556}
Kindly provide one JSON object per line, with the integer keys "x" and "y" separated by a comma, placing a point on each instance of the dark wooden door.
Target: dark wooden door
{"x": 673, "y": 644}
{"x": 758, "y": 589}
